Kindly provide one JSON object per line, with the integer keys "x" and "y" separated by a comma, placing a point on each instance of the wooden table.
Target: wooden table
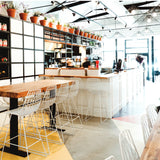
{"x": 16, "y": 91}
{"x": 152, "y": 148}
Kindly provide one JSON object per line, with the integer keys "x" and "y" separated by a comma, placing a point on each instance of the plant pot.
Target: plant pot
{"x": 11, "y": 12}
{"x": 59, "y": 27}
{"x": 89, "y": 35}
{"x": 81, "y": 33}
{"x": 95, "y": 37}
{"x": 100, "y": 38}
{"x": 65, "y": 29}
{"x": 77, "y": 31}
{"x": 23, "y": 16}
{"x": 71, "y": 30}
{"x": 92, "y": 36}
{"x": 85, "y": 34}
{"x": 34, "y": 19}
{"x": 50, "y": 24}
{"x": 43, "y": 22}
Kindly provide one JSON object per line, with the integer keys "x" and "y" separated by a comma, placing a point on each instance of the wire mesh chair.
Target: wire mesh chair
{"x": 110, "y": 158}
{"x": 24, "y": 112}
{"x": 62, "y": 116}
{"x": 47, "y": 120}
{"x": 3, "y": 106}
{"x": 72, "y": 107}
{"x": 145, "y": 127}
{"x": 151, "y": 114}
{"x": 127, "y": 146}
{"x": 94, "y": 95}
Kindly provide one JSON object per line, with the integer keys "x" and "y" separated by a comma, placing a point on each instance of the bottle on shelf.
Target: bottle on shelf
{"x": 4, "y": 27}
{"x": 4, "y": 59}
{"x": 0, "y": 42}
{"x": 4, "y": 42}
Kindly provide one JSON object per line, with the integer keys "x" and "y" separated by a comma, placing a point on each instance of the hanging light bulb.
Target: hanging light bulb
{"x": 146, "y": 30}
{"x": 133, "y": 11}
{"x": 154, "y": 14}
{"x": 149, "y": 19}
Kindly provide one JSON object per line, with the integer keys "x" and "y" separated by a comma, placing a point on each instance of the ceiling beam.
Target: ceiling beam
{"x": 149, "y": 7}
{"x": 137, "y": 4}
{"x": 67, "y": 6}
{"x": 93, "y": 16}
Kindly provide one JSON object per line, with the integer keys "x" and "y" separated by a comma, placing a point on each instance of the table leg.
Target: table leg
{"x": 14, "y": 131}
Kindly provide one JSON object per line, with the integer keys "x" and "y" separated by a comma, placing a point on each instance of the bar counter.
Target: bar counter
{"x": 118, "y": 89}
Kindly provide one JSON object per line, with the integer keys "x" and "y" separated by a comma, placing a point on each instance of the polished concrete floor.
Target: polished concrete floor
{"x": 96, "y": 141}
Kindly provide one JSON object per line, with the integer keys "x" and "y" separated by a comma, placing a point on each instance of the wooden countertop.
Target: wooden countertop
{"x": 21, "y": 89}
{"x": 106, "y": 76}
{"x": 152, "y": 148}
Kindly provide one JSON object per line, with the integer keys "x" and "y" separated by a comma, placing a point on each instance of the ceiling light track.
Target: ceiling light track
{"x": 129, "y": 28}
{"x": 73, "y": 11}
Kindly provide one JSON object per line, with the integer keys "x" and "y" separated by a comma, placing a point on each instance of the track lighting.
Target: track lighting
{"x": 63, "y": 8}
{"x": 109, "y": 30}
{"x": 102, "y": 28}
{"x": 88, "y": 21}
{"x": 53, "y": 3}
{"x": 105, "y": 9}
{"x": 130, "y": 29}
{"x": 73, "y": 14}
{"x": 149, "y": 19}
{"x": 98, "y": 2}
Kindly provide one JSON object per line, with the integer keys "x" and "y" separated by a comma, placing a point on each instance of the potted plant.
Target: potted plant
{"x": 11, "y": 8}
{"x": 71, "y": 30}
{"x": 92, "y": 36}
{"x": 34, "y": 18}
{"x": 89, "y": 35}
{"x": 81, "y": 33}
{"x": 24, "y": 15}
{"x": 59, "y": 26}
{"x": 85, "y": 34}
{"x": 51, "y": 23}
{"x": 44, "y": 21}
{"x": 65, "y": 28}
{"x": 100, "y": 38}
{"x": 76, "y": 30}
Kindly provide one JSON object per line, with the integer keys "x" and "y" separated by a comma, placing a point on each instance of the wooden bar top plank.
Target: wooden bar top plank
{"x": 152, "y": 148}
{"x": 20, "y": 90}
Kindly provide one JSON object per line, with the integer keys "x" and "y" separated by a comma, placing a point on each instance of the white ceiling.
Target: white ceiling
{"x": 115, "y": 8}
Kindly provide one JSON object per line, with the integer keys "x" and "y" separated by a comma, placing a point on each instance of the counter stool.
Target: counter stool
{"x": 48, "y": 122}
{"x": 78, "y": 108}
{"x": 62, "y": 116}
{"x": 95, "y": 92}
{"x": 127, "y": 146}
{"x": 145, "y": 127}
{"x": 25, "y": 111}
{"x": 72, "y": 107}
{"x": 151, "y": 114}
